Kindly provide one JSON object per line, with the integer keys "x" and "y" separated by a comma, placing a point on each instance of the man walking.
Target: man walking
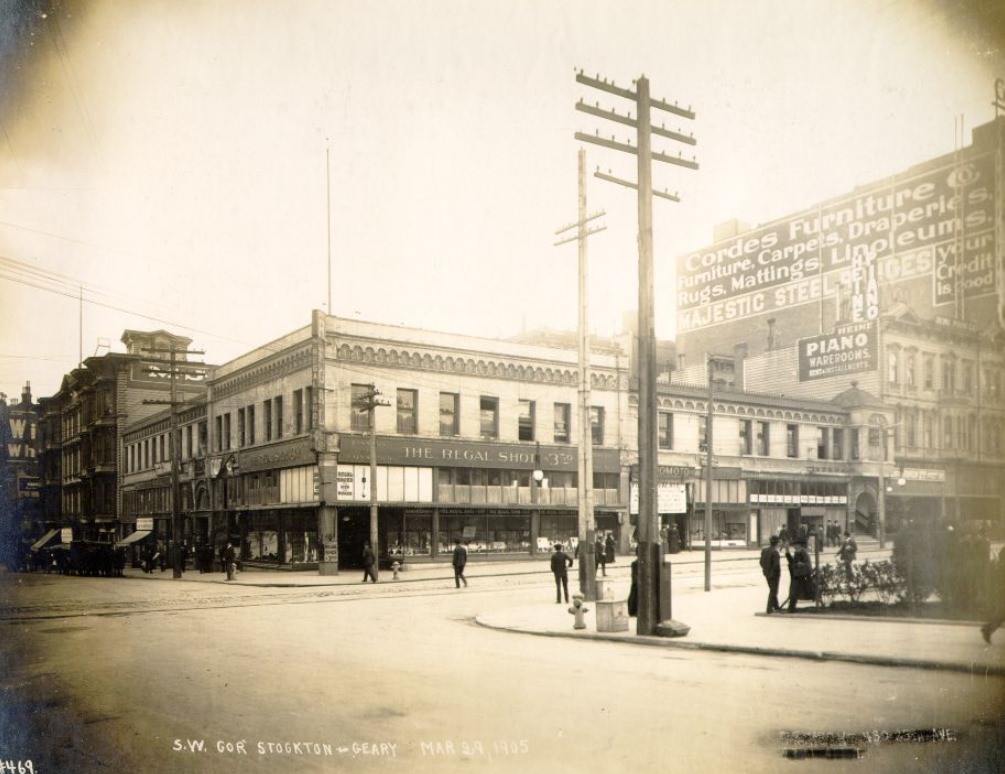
{"x": 771, "y": 566}
{"x": 369, "y": 560}
{"x": 560, "y": 564}
{"x": 460, "y": 559}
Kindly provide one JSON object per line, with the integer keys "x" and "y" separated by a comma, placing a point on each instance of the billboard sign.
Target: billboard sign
{"x": 849, "y": 349}
{"x": 935, "y": 224}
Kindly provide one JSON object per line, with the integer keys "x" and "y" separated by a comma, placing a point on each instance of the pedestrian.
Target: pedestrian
{"x": 369, "y": 562}
{"x": 800, "y": 574}
{"x": 771, "y": 566}
{"x": 609, "y": 549}
{"x": 783, "y": 537}
{"x": 460, "y": 559}
{"x": 560, "y": 564}
{"x": 600, "y": 558}
{"x": 847, "y": 554}
{"x": 998, "y": 591}
{"x": 229, "y": 560}
{"x": 633, "y": 591}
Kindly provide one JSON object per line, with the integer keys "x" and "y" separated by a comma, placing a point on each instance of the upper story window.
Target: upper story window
{"x": 746, "y": 437}
{"x": 792, "y": 441}
{"x": 763, "y": 439}
{"x": 892, "y": 367}
{"x": 525, "y": 421}
{"x": 359, "y": 416}
{"x": 597, "y": 425}
{"x": 948, "y": 376}
{"x": 488, "y": 409}
{"x": 823, "y": 443}
{"x": 664, "y": 431}
{"x": 928, "y": 372}
{"x": 251, "y": 425}
{"x": 837, "y": 443}
{"x": 267, "y": 419}
{"x": 449, "y": 413}
{"x": 298, "y": 411}
{"x": 407, "y": 405}
{"x": 563, "y": 413}
{"x": 277, "y": 409}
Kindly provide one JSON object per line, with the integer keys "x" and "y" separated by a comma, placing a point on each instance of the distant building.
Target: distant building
{"x": 20, "y": 514}
{"x": 897, "y": 287}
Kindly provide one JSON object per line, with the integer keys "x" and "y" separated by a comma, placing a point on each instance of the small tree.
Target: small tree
{"x": 918, "y": 557}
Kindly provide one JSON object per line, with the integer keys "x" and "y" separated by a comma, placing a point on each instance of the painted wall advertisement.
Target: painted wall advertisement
{"x": 849, "y": 349}
{"x": 936, "y": 225}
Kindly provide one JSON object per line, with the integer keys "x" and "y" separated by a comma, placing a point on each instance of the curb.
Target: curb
{"x": 809, "y": 655}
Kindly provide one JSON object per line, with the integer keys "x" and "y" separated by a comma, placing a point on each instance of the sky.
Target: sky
{"x": 204, "y": 167}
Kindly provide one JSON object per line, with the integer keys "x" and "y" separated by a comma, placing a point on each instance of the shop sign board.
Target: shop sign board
{"x": 849, "y": 349}
{"x": 430, "y": 452}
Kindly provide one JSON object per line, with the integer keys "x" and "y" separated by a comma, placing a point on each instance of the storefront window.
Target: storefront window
{"x": 558, "y": 528}
{"x": 485, "y": 533}
{"x": 415, "y": 539}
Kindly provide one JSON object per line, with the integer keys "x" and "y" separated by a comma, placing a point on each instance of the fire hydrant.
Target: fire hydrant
{"x": 578, "y": 610}
{"x": 395, "y": 566}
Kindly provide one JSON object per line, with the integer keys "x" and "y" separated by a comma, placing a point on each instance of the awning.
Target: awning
{"x": 43, "y": 541}
{"x": 130, "y": 539}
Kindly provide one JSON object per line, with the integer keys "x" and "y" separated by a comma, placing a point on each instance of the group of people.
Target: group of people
{"x": 800, "y": 566}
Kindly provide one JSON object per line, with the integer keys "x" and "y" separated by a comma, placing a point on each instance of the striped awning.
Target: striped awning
{"x": 43, "y": 541}
{"x": 130, "y": 539}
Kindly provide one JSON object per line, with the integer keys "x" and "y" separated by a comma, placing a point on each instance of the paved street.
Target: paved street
{"x": 152, "y": 674}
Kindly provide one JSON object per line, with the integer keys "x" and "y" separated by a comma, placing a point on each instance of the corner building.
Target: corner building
{"x": 281, "y": 459}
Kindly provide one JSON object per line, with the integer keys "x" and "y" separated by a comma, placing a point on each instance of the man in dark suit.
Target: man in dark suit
{"x": 560, "y": 564}
{"x": 771, "y": 566}
{"x": 460, "y": 559}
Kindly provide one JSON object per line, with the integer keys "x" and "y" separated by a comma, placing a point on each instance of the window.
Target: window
{"x": 251, "y": 425}
{"x": 277, "y": 404}
{"x": 664, "y": 430}
{"x": 968, "y": 378}
{"x": 407, "y": 424}
{"x": 892, "y": 375}
{"x": 226, "y": 431}
{"x": 948, "y": 376}
{"x": 837, "y": 441}
{"x": 792, "y": 441}
{"x": 909, "y": 371}
{"x": 823, "y": 442}
{"x": 763, "y": 439}
{"x": 203, "y": 437}
{"x": 947, "y": 433}
{"x": 267, "y": 419}
{"x": 488, "y": 417}
{"x": 298, "y": 411}
{"x": 218, "y": 446}
{"x": 449, "y": 413}
{"x": 746, "y": 437}
{"x": 597, "y": 425}
{"x": 563, "y": 411}
{"x": 242, "y": 438}
{"x": 853, "y": 444}
{"x": 928, "y": 372}
{"x": 359, "y": 416}
{"x": 525, "y": 421}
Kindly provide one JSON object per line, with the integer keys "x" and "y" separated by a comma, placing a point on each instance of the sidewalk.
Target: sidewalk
{"x": 726, "y": 619}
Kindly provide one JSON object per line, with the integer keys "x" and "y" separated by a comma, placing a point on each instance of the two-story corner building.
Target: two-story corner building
{"x": 21, "y": 523}
{"x": 81, "y": 441}
{"x": 460, "y": 425}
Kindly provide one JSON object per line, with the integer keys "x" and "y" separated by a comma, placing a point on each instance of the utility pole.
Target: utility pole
{"x": 586, "y": 527}
{"x": 370, "y": 401}
{"x": 709, "y": 460}
{"x": 173, "y": 441}
{"x": 650, "y": 548}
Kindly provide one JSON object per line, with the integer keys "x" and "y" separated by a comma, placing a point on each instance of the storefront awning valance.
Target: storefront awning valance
{"x": 130, "y": 539}
{"x": 43, "y": 541}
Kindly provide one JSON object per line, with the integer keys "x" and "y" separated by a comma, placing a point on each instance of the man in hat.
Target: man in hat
{"x": 800, "y": 574}
{"x": 771, "y": 566}
{"x": 560, "y": 564}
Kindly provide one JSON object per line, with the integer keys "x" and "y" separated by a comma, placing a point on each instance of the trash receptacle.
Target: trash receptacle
{"x": 612, "y": 615}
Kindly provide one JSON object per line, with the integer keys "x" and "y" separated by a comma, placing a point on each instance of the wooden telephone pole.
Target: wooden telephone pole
{"x": 586, "y": 527}
{"x": 650, "y": 547}
{"x": 369, "y": 402}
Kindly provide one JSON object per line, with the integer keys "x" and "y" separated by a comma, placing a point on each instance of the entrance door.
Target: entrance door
{"x": 353, "y": 533}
